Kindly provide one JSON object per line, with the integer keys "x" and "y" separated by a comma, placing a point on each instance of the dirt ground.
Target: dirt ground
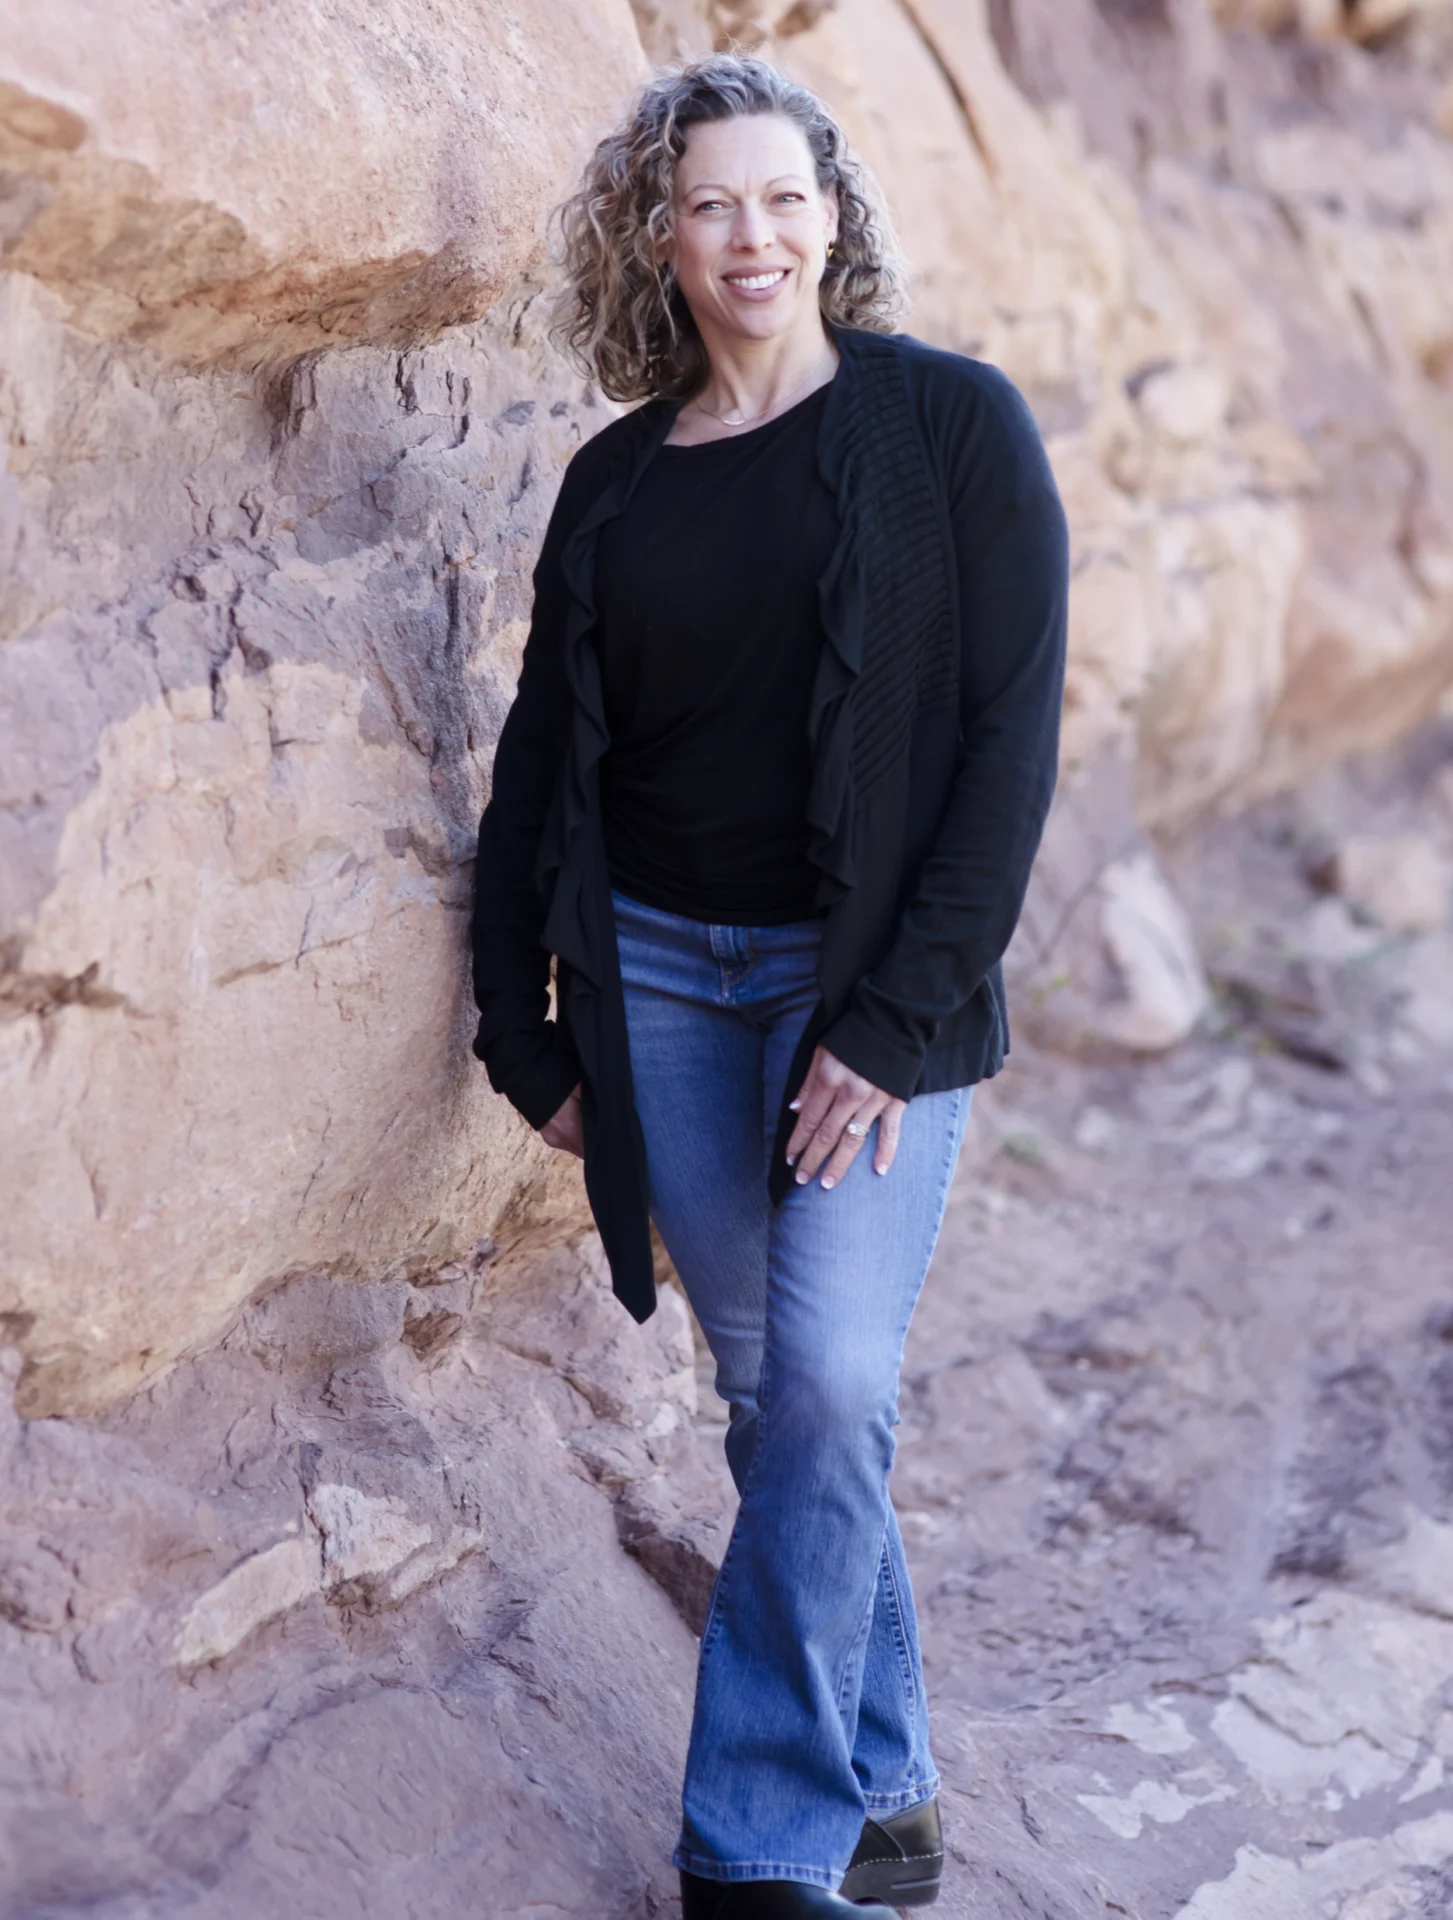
{"x": 1177, "y": 1474}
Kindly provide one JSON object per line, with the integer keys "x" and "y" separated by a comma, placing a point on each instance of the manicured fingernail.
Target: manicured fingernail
{"x": 829, "y": 1183}
{"x": 793, "y": 1106}
{"x": 792, "y": 1159}
{"x": 802, "y": 1179}
{"x": 880, "y": 1169}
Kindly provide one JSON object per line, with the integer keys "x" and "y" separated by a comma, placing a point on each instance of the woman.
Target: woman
{"x": 782, "y": 751}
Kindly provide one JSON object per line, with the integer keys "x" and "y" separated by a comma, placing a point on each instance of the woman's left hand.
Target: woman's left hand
{"x": 835, "y": 1110}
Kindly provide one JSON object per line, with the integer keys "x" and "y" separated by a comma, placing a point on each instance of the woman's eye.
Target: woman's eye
{"x": 708, "y": 206}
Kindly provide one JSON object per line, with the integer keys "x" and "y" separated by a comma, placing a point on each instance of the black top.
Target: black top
{"x": 709, "y": 635}
{"x": 934, "y": 725}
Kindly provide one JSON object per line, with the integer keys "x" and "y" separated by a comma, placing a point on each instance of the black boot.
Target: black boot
{"x": 767, "y": 1900}
{"x": 899, "y": 1859}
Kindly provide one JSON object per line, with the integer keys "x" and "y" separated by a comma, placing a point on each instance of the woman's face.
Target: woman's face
{"x": 752, "y": 228}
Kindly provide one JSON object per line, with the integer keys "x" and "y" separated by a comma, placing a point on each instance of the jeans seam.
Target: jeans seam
{"x": 710, "y": 1630}
{"x": 900, "y": 1638}
{"x": 860, "y": 1638}
{"x": 913, "y": 1794}
{"x": 910, "y": 1692}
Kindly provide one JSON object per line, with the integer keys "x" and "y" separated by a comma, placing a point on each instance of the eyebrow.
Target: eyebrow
{"x": 716, "y": 186}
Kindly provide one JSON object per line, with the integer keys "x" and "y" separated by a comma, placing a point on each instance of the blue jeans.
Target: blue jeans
{"x": 810, "y": 1707}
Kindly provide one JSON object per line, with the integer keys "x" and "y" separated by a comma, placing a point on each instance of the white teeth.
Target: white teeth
{"x": 752, "y": 281}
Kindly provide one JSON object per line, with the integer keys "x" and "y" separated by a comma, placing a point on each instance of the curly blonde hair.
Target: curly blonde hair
{"x": 620, "y": 313}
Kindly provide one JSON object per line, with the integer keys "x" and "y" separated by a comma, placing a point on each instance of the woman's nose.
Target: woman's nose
{"x": 752, "y": 230}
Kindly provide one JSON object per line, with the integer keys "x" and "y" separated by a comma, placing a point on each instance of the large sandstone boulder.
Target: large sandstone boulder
{"x": 263, "y": 602}
{"x": 282, "y": 180}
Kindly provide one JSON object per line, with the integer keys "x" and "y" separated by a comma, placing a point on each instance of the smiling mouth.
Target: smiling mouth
{"x": 757, "y": 282}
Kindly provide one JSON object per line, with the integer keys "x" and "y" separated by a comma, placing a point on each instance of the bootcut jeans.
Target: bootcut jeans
{"x": 810, "y": 1707}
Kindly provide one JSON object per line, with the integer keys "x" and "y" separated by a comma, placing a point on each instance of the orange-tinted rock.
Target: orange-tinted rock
{"x": 285, "y": 180}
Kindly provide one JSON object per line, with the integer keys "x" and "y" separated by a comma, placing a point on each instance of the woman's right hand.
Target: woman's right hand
{"x": 563, "y": 1129}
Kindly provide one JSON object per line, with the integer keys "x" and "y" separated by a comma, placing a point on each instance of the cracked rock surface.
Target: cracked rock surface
{"x": 387, "y": 1646}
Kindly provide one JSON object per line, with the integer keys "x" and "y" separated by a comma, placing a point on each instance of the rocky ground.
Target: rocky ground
{"x": 1178, "y": 1480}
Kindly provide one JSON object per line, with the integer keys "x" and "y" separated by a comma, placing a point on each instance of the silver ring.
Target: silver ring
{"x": 858, "y": 1132}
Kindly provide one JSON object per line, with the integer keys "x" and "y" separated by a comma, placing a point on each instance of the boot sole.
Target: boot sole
{"x": 879, "y": 1880}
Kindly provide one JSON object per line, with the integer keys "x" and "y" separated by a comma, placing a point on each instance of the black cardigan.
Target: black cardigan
{"x": 934, "y": 737}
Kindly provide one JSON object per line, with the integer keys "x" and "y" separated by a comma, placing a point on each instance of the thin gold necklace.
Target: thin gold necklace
{"x": 737, "y": 419}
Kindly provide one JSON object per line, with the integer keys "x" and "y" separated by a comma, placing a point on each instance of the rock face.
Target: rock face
{"x": 307, "y": 179}
{"x": 261, "y": 616}
{"x": 250, "y": 943}
{"x": 329, "y": 1440}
